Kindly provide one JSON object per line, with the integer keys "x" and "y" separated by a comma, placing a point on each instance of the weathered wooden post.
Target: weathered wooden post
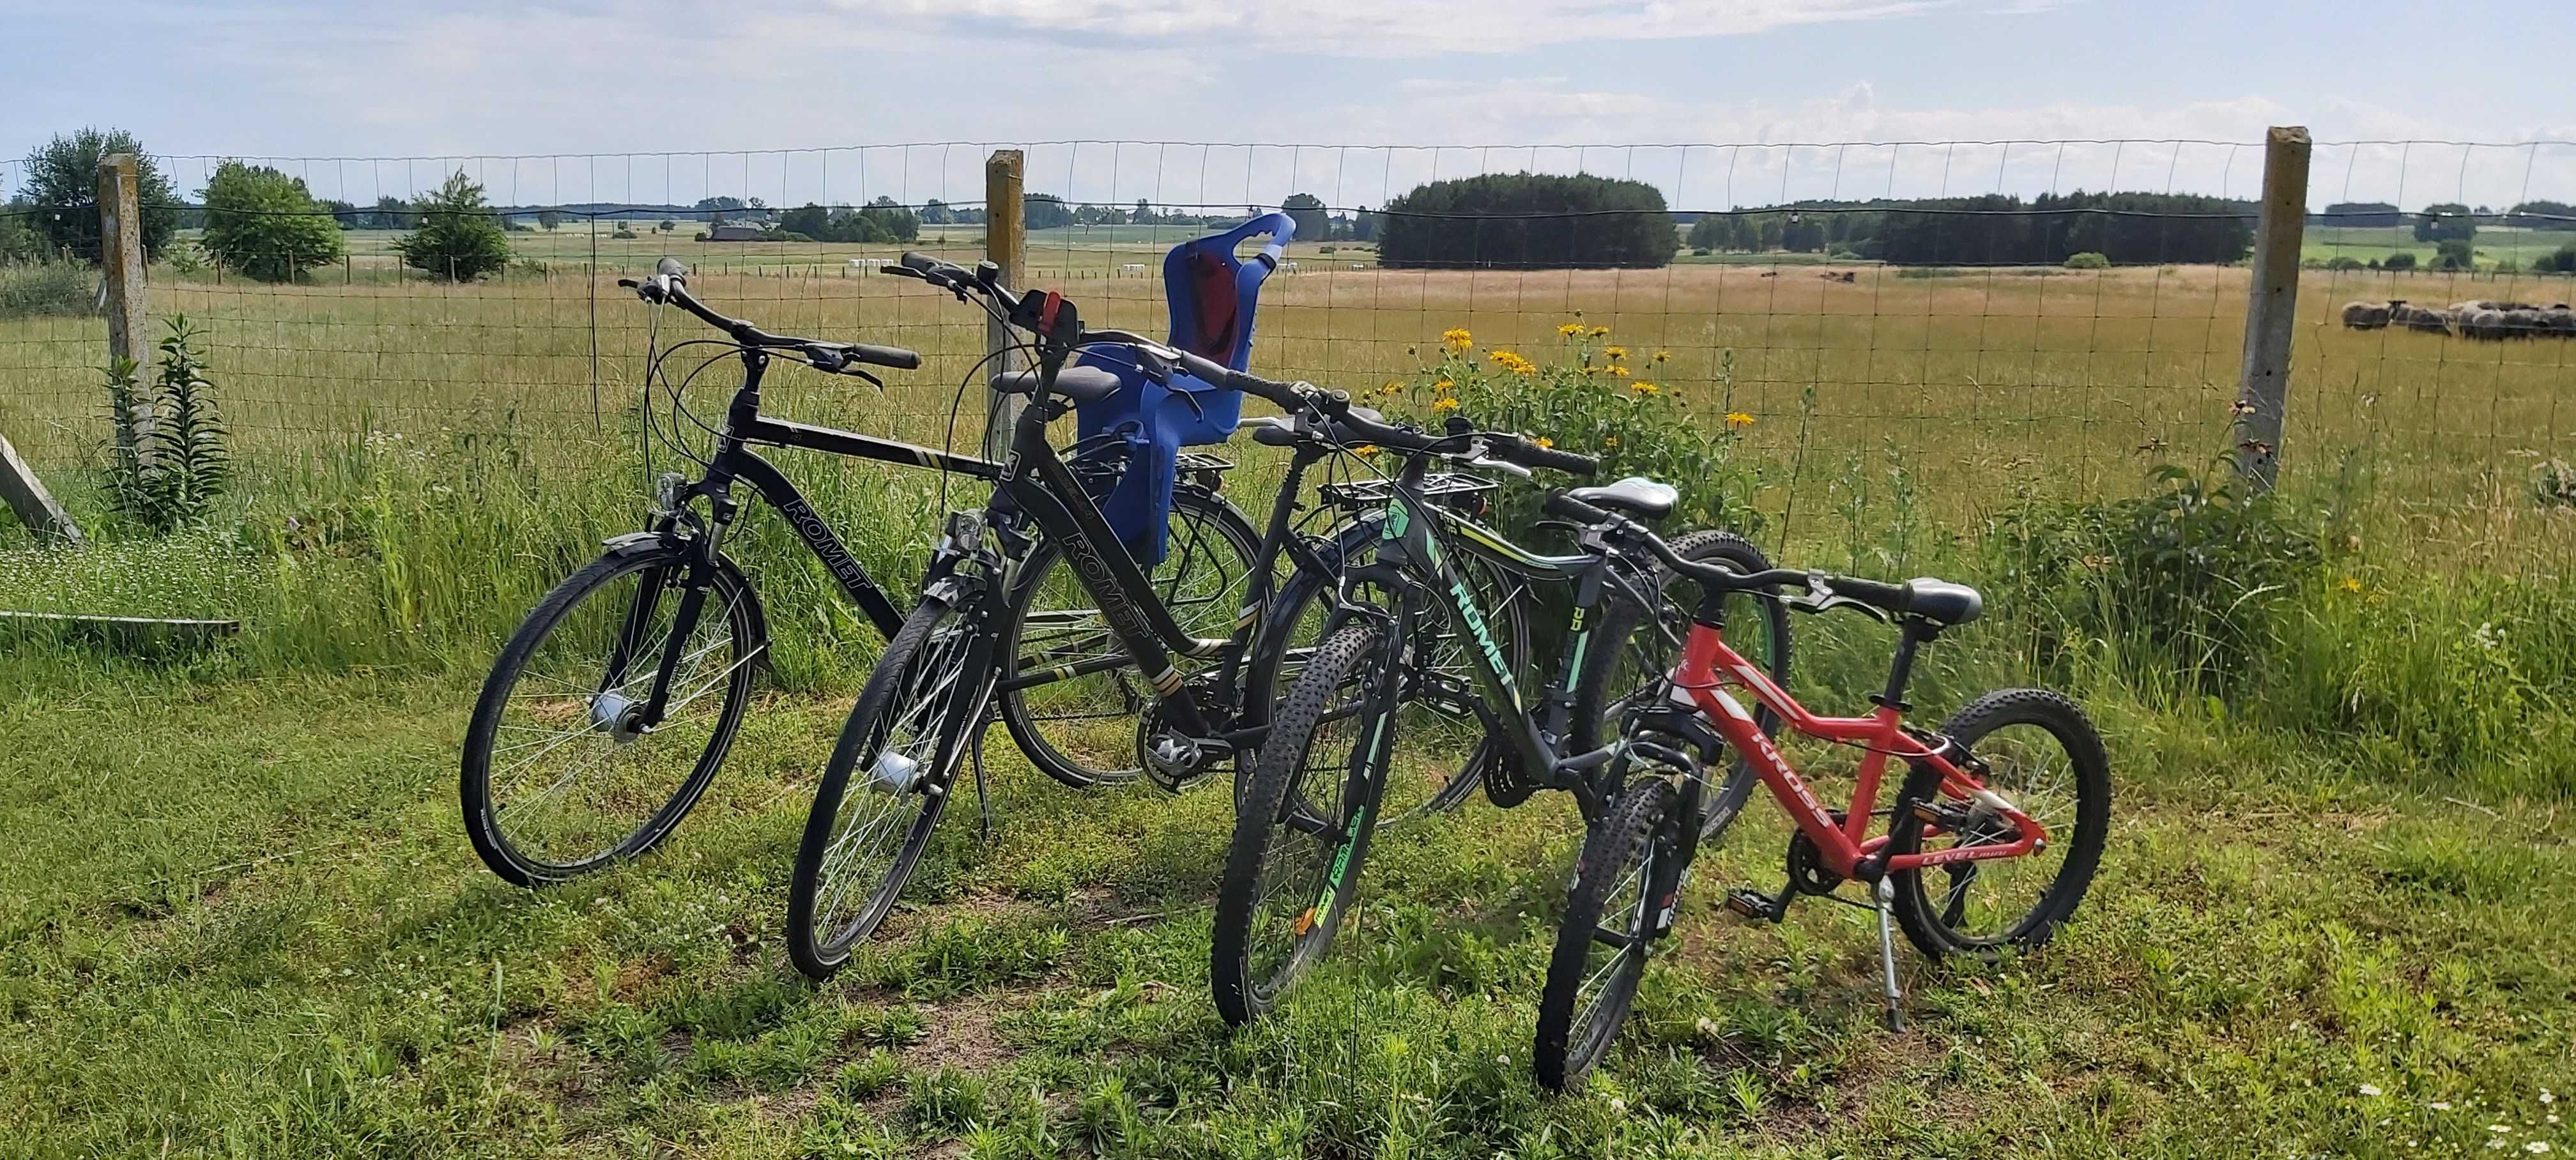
{"x": 120, "y": 245}
{"x": 2271, "y": 307}
{"x": 1005, "y": 241}
{"x": 26, "y": 495}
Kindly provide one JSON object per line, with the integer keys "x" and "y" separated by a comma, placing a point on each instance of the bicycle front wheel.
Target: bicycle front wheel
{"x": 1611, "y": 918}
{"x": 886, "y": 785}
{"x": 1077, "y": 722}
{"x": 1438, "y": 689}
{"x": 1302, "y": 825}
{"x": 562, "y": 772}
{"x": 1630, "y": 653}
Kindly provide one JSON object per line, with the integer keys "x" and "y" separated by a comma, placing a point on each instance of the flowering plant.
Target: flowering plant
{"x": 1590, "y": 396}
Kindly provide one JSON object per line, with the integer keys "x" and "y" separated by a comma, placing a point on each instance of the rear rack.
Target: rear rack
{"x": 1448, "y": 489}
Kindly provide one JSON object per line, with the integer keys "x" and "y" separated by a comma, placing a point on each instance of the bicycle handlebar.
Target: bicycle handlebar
{"x": 667, "y": 285}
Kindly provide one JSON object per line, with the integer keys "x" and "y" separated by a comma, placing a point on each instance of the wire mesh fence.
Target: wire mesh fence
{"x": 1861, "y": 308}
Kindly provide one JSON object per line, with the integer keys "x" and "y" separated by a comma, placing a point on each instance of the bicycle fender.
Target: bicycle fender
{"x": 639, "y": 543}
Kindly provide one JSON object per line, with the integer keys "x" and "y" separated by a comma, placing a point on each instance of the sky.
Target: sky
{"x": 1202, "y": 102}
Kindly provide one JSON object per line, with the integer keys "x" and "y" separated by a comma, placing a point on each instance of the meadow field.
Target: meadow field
{"x": 238, "y": 915}
{"x": 2495, "y": 244}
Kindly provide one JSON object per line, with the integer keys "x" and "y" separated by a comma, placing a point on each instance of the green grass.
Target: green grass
{"x": 243, "y": 922}
{"x": 2495, "y": 244}
{"x": 2349, "y": 869}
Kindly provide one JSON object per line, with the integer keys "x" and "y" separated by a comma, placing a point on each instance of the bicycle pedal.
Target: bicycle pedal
{"x": 1749, "y": 903}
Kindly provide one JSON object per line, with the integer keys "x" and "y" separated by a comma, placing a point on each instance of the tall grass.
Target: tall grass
{"x": 419, "y": 464}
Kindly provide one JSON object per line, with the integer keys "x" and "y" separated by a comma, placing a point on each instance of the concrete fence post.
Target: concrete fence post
{"x": 1005, "y": 244}
{"x": 2271, "y": 308}
{"x": 120, "y": 242}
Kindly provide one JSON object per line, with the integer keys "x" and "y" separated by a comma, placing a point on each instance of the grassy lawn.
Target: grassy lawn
{"x": 238, "y": 917}
{"x": 2495, "y": 244}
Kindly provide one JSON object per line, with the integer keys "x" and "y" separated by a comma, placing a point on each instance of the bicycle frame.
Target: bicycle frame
{"x": 1417, "y": 538}
{"x": 1708, "y": 665}
{"x": 734, "y": 460}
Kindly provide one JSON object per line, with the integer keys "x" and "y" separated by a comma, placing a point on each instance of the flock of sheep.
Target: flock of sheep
{"x": 2482, "y": 320}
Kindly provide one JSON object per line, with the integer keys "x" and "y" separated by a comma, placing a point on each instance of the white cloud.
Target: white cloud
{"x": 1371, "y": 28}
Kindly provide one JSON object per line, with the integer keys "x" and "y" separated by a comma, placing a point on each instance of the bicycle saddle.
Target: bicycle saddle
{"x": 1941, "y": 601}
{"x": 1078, "y": 383}
{"x": 1635, "y": 495}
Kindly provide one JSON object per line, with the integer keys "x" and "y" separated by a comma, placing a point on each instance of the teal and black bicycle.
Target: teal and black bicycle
{"x": 1305, "y": 816}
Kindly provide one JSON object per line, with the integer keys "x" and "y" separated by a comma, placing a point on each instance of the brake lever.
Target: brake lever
{"x": 1483, "y": 460}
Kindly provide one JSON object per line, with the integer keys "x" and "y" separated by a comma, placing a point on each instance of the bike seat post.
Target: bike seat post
{"x": 1911, "y": 633}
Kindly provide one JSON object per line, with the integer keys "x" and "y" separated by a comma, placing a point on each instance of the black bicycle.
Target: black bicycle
{"x": 979, "y": 634}
{"x": 1305, "y": 819}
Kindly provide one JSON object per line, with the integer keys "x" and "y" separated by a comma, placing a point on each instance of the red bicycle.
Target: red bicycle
{"x": 1991, "y": 841}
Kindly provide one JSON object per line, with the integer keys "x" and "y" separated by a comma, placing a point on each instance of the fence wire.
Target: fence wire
{"x": 1876, "y": 309}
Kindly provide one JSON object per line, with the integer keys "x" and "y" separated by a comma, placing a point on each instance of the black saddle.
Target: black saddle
{"x": 1938, "y": 601}
{"x": 1635, "y": 495}
{"x": 1080, "y": 384}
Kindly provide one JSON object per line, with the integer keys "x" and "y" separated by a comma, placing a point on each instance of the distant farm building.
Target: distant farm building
{"x": 737, "y": 232}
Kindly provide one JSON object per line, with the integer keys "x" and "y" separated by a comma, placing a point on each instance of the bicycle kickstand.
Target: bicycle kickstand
{"x": 1886, "y": 893}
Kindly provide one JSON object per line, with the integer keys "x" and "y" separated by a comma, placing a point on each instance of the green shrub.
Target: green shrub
{"x": 47, "y": 288}
{"x": 2193, "y": 576}
{"x": 623, "y": 232}
{"x": 2455, "y": 254}
{"x": 2087, "y": 260}
{"x": 2401, "y": 260}
{"x": 457, "y": 238}
{"x": 265, "y": 224}
{"x": 2560, "y": 261}
{"x": 169, "y": 476}
{"x": 2343, "y": 262}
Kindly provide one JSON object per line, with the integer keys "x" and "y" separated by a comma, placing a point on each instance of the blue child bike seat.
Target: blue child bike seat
{"x": 1212, "y": 294}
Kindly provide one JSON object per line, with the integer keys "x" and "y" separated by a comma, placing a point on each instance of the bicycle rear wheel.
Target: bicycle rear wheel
{"x": 1611, "y": 918}
{"x": 2042, "y": 754}
{"x": 887, "y": 784}
{"x": 1302, "y": 825}
{"x": 1078, "y": 725}
{"x": 561, "y": 775}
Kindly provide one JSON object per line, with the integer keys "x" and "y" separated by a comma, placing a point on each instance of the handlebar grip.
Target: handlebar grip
{"x": 1528, "y": 454}
{"x": 1888, "y": 596}
{"x": 1565, "y": 506}
{"x": 885, "y": 356}
{"x": 916, "y": 260}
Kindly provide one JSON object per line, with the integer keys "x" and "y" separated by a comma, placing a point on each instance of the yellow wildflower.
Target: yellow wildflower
{"x": 1570, "y": 329}
{"x": 1617, "y": 352}
{"x": 1738, "y": 419}
{"x": 1544, "y": 442}
{"x": 1444, "y": 386}
{"x": 1513, "y": 362}
{"x": 1663, "y": 356}
{"x": 1644, "y": 388}
{"x": 2350, "y": 584}
{"x": 1601, "y": 332}
{"x": 1365, "y": 449}
{"x": 1455, "y": 339}
{"x": 1612, "y": 441}
{"x": 1620, "y": 371}
{"x": 1444, "y": 403}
